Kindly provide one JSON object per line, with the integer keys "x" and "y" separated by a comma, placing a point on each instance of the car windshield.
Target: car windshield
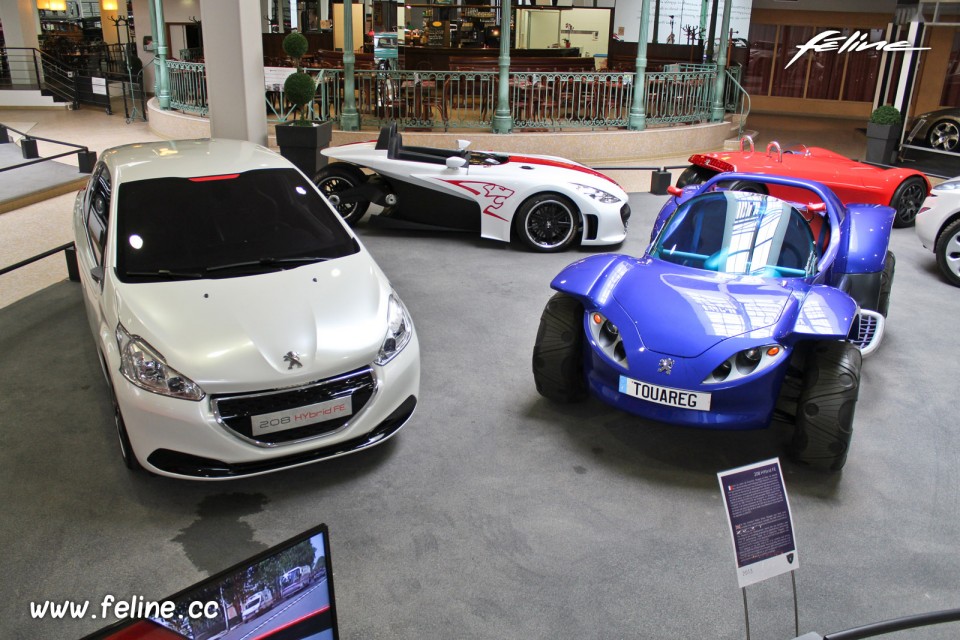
{"x": 739, "y": 233}
{"x": 224, "y": 226}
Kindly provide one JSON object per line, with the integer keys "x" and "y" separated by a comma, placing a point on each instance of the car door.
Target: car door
{"x": 91, "y": 233}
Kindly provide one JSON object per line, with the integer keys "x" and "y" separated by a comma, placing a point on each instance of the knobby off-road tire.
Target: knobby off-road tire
{"x": 558, "y": 351}
{"x": 886, "y": 284}
{"x": 824, "y": 418}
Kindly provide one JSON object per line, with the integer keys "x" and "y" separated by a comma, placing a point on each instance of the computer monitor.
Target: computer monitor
{"x": 283, "y": 593}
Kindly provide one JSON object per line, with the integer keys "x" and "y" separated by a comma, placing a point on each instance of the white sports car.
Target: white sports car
{"x": 938, "y": 227}
{"x": 241, "y": 326}
{"x": 549, "y": 203}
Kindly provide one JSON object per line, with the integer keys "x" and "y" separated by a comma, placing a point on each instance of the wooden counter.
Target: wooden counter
{"x": 438, "y": 58}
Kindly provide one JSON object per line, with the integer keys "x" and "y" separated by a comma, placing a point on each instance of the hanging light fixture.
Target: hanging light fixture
{"x": 43, "y": 5}
{"x": 57, "y": 5}
{"x": 109, "y": 5}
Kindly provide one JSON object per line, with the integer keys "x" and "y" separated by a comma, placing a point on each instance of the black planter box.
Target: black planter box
{"x": 301, "y": 145}
{"x": 882, "y": 142}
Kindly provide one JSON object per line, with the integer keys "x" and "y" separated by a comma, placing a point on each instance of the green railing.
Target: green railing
{"x": 736, "y": 98}
{"x": 445, "y": 100}
{"x": 188, "y": 86}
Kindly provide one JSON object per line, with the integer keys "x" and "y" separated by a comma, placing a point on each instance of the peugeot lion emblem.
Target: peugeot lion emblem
{"x": 666, "y": 365}
{"x": 293, "y": 358}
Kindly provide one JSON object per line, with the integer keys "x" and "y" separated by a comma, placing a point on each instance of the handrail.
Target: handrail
{"x": 745, "y": 102}
{"x": 69, "y": 249}
{"x": 897, "y": 624}
{"x": 85, "y": 158}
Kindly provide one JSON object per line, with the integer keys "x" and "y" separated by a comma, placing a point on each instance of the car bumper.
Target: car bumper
{"x": 185, "y": 439}
{"x": 605, "y": 224}
{"x": 745, "y": 404}
{"x": 933, "y": 212}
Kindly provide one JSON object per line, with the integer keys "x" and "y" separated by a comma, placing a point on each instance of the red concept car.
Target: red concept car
{"x": 852, "y": 181}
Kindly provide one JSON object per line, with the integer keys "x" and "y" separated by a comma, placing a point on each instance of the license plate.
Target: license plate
{"x": 681, "y": 398}
{"x": 301, "y": 416}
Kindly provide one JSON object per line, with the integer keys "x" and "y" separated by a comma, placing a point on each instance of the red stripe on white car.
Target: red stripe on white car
{"x": 487, "y": 192}
{"x": 559, "y": 164}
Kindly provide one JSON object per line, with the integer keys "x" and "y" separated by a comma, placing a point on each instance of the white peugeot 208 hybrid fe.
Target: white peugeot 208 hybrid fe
{"x": 241, "y": 326}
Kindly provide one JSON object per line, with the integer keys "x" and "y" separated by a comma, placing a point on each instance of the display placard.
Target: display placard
{"x": 99, "y": 85}
{"x": 761, "y": 525}
{"x": 274, "y": 77}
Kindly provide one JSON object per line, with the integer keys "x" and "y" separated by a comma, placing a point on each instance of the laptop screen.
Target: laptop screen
{"x": 283, "y": 593}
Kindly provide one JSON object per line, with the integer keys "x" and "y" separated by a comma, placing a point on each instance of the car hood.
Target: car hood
{"x": 683, "y": 312}
{"x": 233, "y": 333}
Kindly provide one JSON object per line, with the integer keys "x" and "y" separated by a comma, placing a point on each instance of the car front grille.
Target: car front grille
{"x": 235, "y": 412}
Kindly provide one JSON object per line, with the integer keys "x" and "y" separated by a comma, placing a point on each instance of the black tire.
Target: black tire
{"x": 948, "y": 252}
{"x": 944, "y": 134}
{"x": 886, "y": 284}
{"x": 126, "y": 449}
{"x": 558, "y": 351}
{"x": 828, "y": 399}
{"x": 547, "y": 222}
{"x": 747, "y": 186}
{"x": 694, "y": 174}
{"x": 338, "y": 177}
{"x": 907, "y": 200}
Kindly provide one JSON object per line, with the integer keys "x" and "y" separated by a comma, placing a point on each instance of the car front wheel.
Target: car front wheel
{"x": 547, "y": 222}
{"x": 558, "y": 351}
{"x": 828, "y": 399}
{"x": 907, "y": 200}
{"x": 336, "y": 178}
{"x": 948, "y": 253}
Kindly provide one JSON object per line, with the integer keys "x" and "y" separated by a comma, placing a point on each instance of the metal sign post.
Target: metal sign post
{"x": 761, "y": 527}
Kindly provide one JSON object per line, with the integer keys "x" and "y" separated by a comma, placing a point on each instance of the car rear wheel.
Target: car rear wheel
{"x": 828, "y": 399}
{"x": 336, "y": 178}
{"x": 558, "y": 351}
{"x": 747, "y": 186}
{"x": 907, "y": 200}
{"x": 944, "y": 135}
{"x": 547, "y": 222}
{"x": 694, "y": 174}
{"x": 886, "y": 284}
{"x": 948, "y": 252}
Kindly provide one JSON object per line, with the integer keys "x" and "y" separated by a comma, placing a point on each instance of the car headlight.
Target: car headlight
{"x": 606, "y": 335}
{"x": 596, "y": 194}
{"x": 399, "y": 330}
{"x": 949, "y": 185}
{"x": 142, "y": 365}
{"x": 745, "y": 363}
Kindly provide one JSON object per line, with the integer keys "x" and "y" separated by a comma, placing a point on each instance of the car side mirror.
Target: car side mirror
{"x": 97, "y": 274}
{"x": 456, "y": 162}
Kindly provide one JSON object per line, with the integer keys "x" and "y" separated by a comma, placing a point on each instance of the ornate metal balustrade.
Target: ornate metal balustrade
{"x": 188, "y": 86}
{"x": 444, "y": 100}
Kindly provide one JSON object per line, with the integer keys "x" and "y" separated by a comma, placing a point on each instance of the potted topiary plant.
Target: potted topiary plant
{"x": 883, "y": 134}
{"x": 301, "y": 140}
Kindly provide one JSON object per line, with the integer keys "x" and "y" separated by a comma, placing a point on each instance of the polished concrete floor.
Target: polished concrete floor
{"x": 494, "y": 513}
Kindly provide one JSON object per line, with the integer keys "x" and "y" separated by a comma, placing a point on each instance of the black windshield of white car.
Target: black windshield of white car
{"x": 224, "y": 226}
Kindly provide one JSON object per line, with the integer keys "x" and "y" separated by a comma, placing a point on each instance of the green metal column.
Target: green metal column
{"x": 704, "y": 12}
{"x": 638, "y": 110}
{"x": 502, "y": 120}
{"x": 153, "y": 30}
{"x": 349, "y": 119}
{"x": 163, "y": 84}
{"x": 717, "y": 113}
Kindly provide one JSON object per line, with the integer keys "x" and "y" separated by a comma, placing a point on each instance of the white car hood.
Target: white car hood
{"x": 232, "y": 334}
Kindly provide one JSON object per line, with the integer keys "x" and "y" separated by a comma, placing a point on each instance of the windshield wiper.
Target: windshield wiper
{"x": 166, "y": 273}
{"x": 266, "y": 262}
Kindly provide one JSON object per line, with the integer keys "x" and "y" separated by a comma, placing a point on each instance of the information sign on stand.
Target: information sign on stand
{"x": 761, "y": 526}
